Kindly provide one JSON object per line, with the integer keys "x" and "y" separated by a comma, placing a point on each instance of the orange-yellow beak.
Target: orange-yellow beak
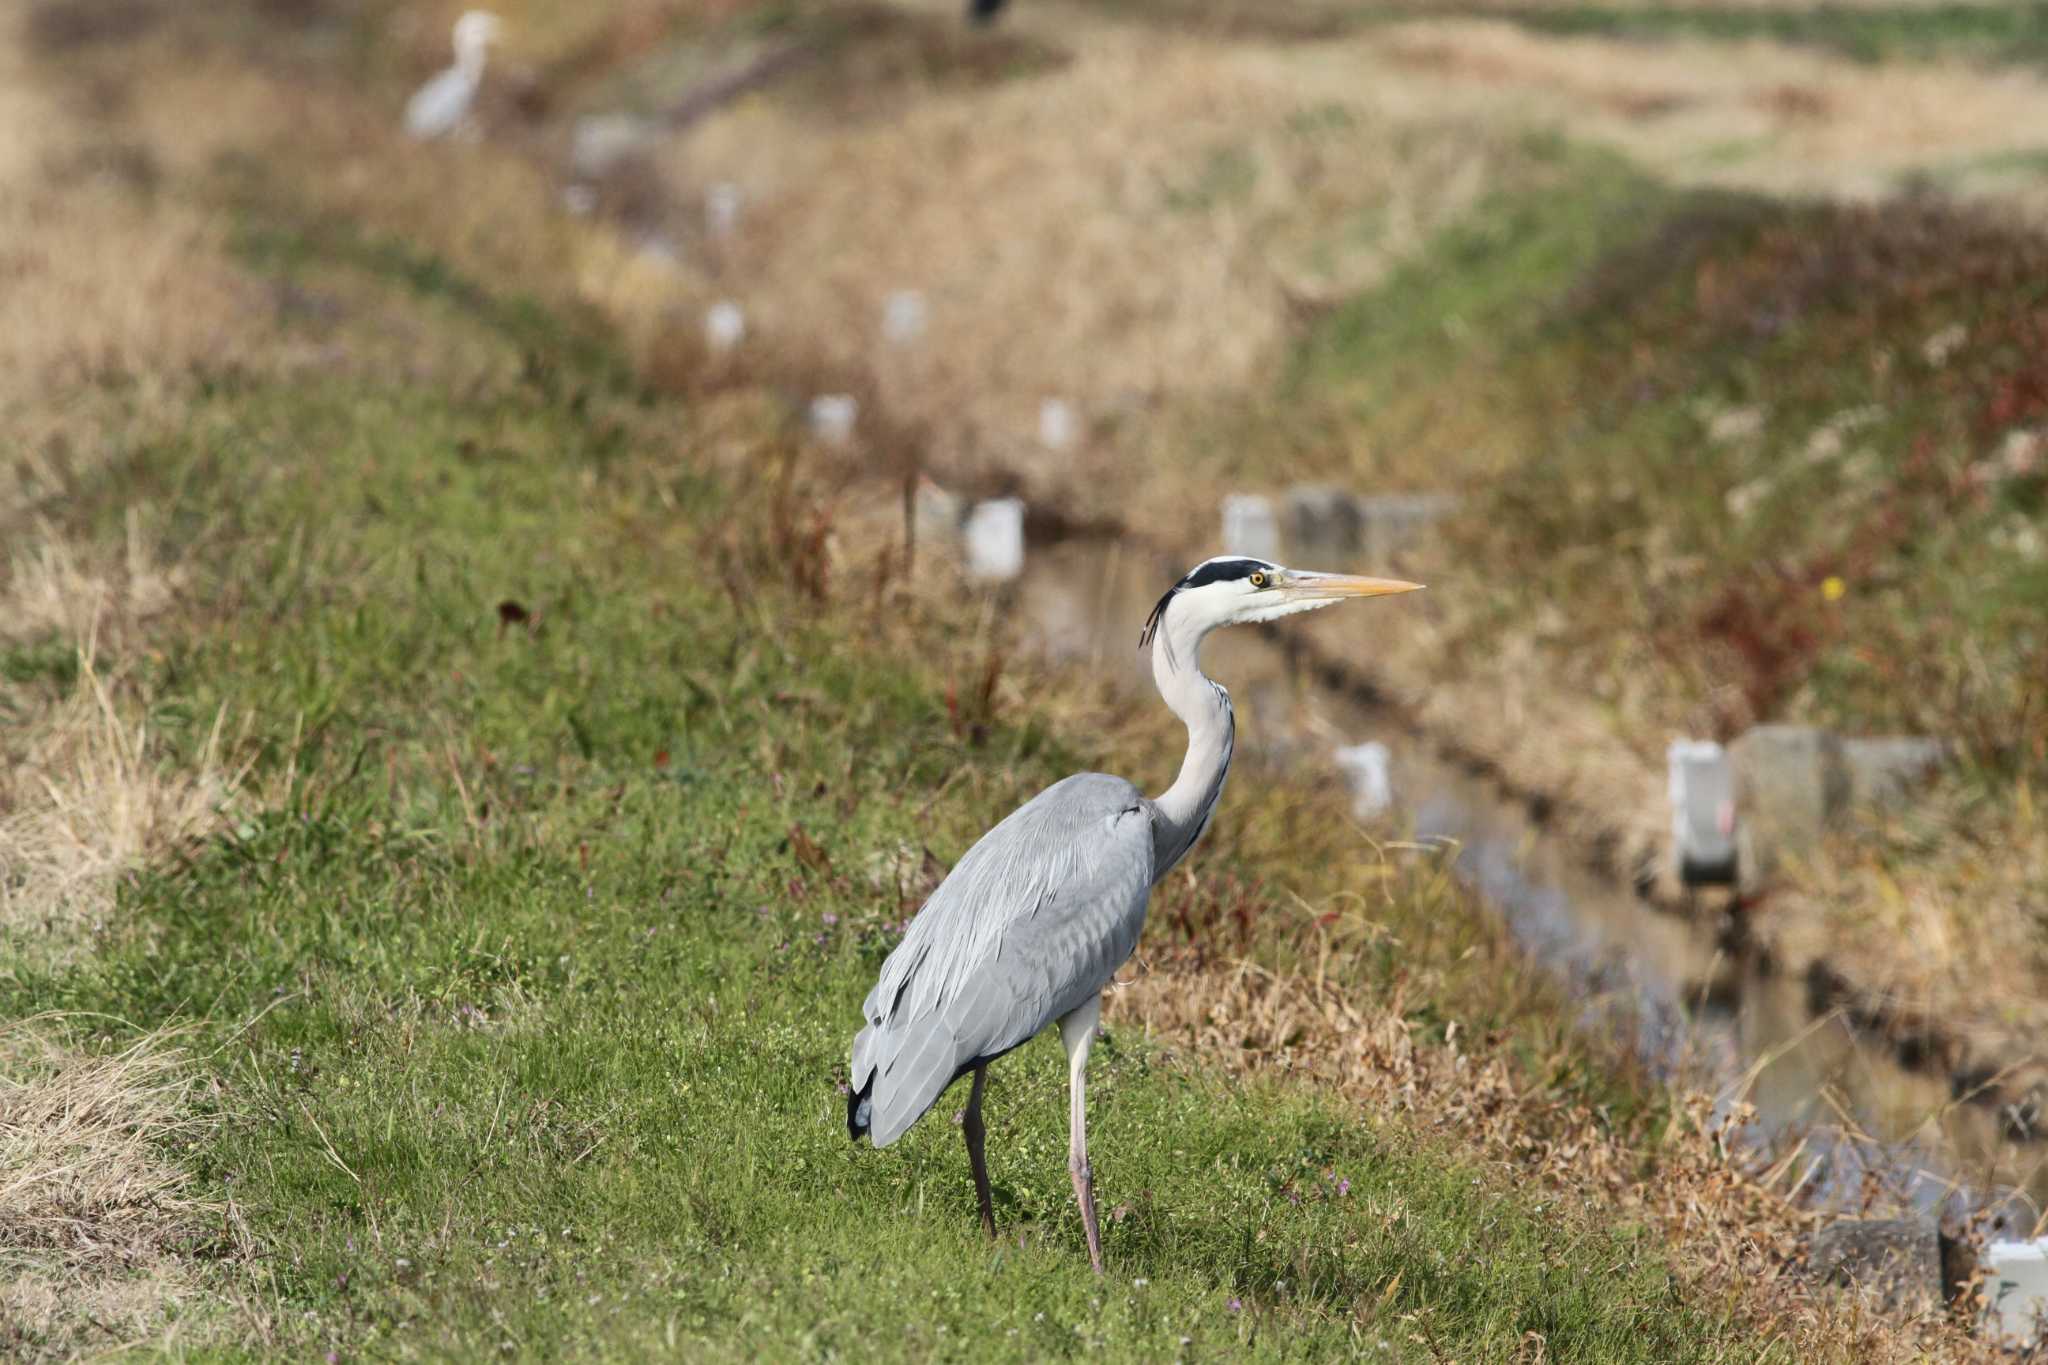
{"x": 1330, "y": 587}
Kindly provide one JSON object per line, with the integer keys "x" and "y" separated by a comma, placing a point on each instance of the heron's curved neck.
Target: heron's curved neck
{"x": 1181, "y": 812}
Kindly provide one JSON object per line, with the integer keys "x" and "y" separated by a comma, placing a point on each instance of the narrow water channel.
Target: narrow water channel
{"x": 1692, "y": 1010}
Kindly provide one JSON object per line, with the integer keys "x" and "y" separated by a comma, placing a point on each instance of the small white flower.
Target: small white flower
{"x": 1937, "y": 349}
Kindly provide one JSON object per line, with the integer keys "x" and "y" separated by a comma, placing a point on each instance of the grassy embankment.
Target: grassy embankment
{"x": 1732, "y": 460}
{"x": 401, "y": 972}
{"x": 449, "y": 907}
{"x": 513, "y": 1004}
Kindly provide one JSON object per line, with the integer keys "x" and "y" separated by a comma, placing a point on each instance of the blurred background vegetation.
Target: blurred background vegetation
{"x": 397, "y": 578}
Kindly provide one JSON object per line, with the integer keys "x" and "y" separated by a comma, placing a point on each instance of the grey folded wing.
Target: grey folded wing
{"x": 1032, "y": 922}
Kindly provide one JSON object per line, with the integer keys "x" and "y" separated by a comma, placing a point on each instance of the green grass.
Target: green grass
{"x": 1484, "y": 284}
{"x": 523, "y": 1006}
{"x": 50, "y": 661}
{"x": 1687, "y": 414}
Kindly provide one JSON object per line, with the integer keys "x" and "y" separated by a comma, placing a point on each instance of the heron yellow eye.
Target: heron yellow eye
{"x": 1258, "y": 579}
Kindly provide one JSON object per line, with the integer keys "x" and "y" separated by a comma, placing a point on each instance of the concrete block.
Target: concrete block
{"x": 1332, "y": 522}
{"x": 1791, "y": 784}
{"x": 937, "y": 513}
{"x": 1885, "y": 770}
{"x": 1325, "y": 521}
{"x": 833, "y": 416}
{"x": 2016, "y": 1292}
{"x": 995, "y": 539}
{"x": 1367, "y": 770}
{"x": 1250, "y": 526}
{"x": 1702, "y": 786}
{"x": 1392, "y": 521}
{"x": 1899, "y": 1259}
{"x": 599, "y": 142}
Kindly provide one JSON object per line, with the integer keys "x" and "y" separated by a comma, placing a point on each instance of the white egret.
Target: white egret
{"x": 439, "y": 107}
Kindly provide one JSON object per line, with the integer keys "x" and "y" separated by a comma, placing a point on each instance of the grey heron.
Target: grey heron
{"x": 438, "y": 107}
{"x": 1034, "y": 920}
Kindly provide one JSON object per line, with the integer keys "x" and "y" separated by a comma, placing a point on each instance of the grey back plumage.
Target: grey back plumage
{"x": 1032, "y": 922}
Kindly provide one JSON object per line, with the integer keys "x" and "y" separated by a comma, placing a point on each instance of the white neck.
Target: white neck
{"x": 1181, "y": 812}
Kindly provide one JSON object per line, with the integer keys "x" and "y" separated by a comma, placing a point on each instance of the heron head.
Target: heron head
{"x": 475, "y": 31}
{"x": 1235, "y": 590}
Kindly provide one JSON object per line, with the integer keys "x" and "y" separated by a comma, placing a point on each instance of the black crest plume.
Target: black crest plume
{"x": 1209, "y": 571}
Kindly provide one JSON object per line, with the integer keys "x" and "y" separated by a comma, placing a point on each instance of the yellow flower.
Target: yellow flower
{"x": 1833, "y": 588}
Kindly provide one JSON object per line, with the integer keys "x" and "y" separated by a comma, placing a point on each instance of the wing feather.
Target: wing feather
{"x": 1031, "y": 922}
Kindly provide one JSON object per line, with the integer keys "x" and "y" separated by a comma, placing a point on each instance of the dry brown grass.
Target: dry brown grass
{"x": 1960, "y": 881}
{"x": 88, "y": 796}
{"x": 1145, "y": 223}
{"x": 1137, "y": 224}
{"x": 93, "y": 1203}
{"x": 1734, "y": 1238}
{"x": 93, "y": 1209}
{"x": 105, "y": 279}
{"x": 1755, "y": 115}
{"x": 117, "y": 291}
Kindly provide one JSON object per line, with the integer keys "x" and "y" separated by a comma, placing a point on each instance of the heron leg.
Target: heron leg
{"x": 1077, "y": 1031}
{"x": 974, "y": 1132}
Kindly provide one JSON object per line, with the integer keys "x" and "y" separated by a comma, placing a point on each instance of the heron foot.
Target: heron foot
{"x": 1084, "y": 1195}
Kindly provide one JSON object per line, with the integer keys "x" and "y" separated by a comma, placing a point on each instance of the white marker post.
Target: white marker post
{"x": 1250, "y": 526}
{"x": 1702, "y": 786}
{"x": 1056, "y": 424}
{"x": 722, "y": 210}
{"x": 995, "y": 540}
{"x": 724, "y": 326}
{"x": 833, "y": 416}
{"x": 1367, "y": 770}
{"x": 903, "y": 317}
{"x": 2016, "y": 1291}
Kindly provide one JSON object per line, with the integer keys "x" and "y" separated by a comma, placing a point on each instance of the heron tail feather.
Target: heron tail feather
{"x": 860, "y": 1107}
